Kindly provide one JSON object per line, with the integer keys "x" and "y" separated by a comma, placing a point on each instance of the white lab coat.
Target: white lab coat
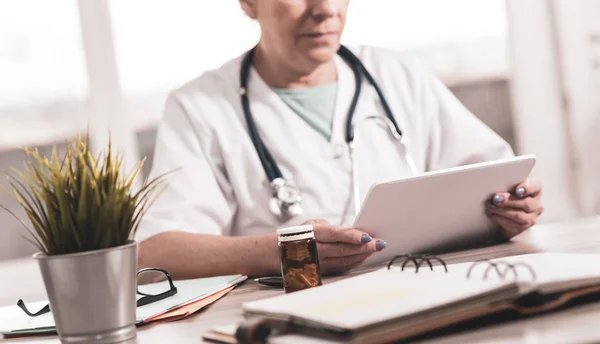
{"x": 220, "y": 186}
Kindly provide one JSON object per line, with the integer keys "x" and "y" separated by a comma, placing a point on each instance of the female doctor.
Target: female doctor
{"x": 292, "y": 132}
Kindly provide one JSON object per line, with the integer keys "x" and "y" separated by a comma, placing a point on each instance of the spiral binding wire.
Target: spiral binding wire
{"x": 498, "y": 265}
{"x": 502, "y": 268}
{"x": 417, "y": 261}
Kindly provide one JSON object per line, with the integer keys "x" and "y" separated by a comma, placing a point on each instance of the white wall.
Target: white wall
{"x": 578, "y": 39}
{"x": 539, "y": 117}
{"x": 555, "y": 48}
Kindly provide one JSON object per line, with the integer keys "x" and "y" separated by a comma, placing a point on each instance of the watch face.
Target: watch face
{"x": 287, "y": 194}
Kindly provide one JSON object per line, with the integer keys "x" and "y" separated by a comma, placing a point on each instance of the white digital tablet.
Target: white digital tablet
{"x": 439, "y": 210}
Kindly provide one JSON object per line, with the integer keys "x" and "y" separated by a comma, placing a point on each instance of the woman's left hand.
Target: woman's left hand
{"x": 516, "y": 211}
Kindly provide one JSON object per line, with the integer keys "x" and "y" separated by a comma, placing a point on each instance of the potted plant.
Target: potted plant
{"x": 84, "y": 213}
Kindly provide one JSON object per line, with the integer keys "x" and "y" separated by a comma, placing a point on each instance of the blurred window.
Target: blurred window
{"x": 42, "y": 67}
{"x": 161, "y": 44}
{"x": 173, "y": 41}
{"x": 41, "y": 60}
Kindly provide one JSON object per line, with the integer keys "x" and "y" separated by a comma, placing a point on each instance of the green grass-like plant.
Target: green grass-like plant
{"x": 79, "y": 203}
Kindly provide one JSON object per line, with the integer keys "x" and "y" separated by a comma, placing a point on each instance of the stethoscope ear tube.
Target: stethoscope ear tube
{"x": 359, "y": 68}
{"x": 268, "y": 163}
{"x": 354, "y": 102}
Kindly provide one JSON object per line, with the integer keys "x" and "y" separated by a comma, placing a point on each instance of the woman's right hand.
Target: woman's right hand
{"x": 341, "y": 249}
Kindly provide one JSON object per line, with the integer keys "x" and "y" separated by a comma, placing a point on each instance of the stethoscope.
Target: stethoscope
{"x": 286, "y": 199}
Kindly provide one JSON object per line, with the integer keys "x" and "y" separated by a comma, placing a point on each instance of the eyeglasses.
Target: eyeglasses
{"x": 154, "y": 291}
{"x": 153, "y": 284}
{"x": 44, "y": 310}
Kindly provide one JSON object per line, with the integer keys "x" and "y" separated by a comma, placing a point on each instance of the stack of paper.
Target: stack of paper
{"x": 192, "y": 295}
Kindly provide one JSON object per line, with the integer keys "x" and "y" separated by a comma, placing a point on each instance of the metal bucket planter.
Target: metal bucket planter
{"x": 92, "y": 294}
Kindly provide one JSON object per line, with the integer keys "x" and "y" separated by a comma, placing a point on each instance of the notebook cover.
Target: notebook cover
{"x": 460, "y": 321}
{"x": 546, "y": 281}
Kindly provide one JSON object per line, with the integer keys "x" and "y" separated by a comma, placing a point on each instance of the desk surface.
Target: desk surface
{"x": 21, "y": 279}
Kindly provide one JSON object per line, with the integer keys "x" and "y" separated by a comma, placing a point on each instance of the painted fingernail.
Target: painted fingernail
{"x": 498, "y": 199}
{"x": 491, "y": 206}
{"x": 520, "y": 191}
{"x": 366, "y": 238}
{"x": 380, "y": 245}
{"x": 489, "y": 212}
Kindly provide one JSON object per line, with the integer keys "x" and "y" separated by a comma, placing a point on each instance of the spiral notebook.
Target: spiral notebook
{"x": 414, "y": 295}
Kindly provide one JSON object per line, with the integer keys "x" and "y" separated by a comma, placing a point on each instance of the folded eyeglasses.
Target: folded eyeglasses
{"x": 150, "y": 292}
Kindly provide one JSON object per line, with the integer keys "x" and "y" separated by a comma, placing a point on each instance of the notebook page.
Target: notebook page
{"x": 188, "y": 291}
{"x": 13, "y": 318}
{"x": 373, "y": 297}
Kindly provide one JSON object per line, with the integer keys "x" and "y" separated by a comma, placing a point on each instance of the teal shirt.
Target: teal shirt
{"x": 315, "y": 105}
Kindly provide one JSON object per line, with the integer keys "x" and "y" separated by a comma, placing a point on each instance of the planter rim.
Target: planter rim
{"x": 43, "y": 256}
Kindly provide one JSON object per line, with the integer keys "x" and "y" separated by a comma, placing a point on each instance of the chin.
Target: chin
{"x": 322, "y": 54}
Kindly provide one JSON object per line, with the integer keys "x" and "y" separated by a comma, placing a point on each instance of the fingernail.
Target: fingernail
{"x": 380, "y": 245}
{"x": 498, "y": 199}
{"x": 520, "y": 191}
{"x": 489, "y": 212}
{"x": 491, "y": 206}
{"x": 366, "y": 238}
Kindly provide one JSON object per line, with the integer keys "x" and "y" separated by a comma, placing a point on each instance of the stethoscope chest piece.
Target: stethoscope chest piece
{"x": 285, "y": 203}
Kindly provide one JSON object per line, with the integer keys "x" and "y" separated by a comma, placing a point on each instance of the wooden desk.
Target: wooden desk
{"x": 21, "y": 279}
